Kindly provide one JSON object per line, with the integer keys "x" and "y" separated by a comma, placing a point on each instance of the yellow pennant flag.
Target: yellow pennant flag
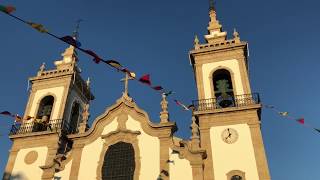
{"x": 38, "y": 27}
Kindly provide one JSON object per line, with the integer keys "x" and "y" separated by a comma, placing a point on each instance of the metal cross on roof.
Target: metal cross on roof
{"x": 126, "y": 80}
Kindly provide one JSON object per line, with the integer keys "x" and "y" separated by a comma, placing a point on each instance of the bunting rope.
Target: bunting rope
{"x": 145, "y": 79}
{"x": 286, "y": 115}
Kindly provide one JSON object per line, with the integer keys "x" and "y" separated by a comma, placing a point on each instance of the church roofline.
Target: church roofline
{"x": 124, "y": 105}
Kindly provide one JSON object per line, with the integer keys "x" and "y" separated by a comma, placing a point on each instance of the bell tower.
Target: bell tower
{"x": 57, "y": 106}
{"x": 227, "y": 111}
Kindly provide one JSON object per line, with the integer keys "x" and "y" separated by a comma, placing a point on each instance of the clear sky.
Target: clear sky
{"x": 154, "y": 37}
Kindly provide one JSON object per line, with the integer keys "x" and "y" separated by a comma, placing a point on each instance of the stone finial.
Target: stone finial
{"x": 69, "y": 58}
{"x": 88, "y": 82}
{"x": 164, "y": 114}
{"x": 196, "y": 42}
{"x": 42, "y": 68}
{"x": 236, "y": 36}
{"x": 85, "y": 118}
{"x": 195, "y": 134}
{"x": 216, "y": 35}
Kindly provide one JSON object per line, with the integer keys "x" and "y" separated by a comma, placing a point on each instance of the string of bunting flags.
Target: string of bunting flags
{"x": 286, "y": 115}
{"x": 17, "y": 118}
{"x": 145, "y": 79}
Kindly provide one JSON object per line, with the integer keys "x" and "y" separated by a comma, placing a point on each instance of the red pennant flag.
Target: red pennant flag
{"x": 18, "y": 118}
{"x": 7, "y": 9}
{"x": 182, "y": 105}
{"x": 70, "y": 40}
{"x": 145, "y": 79}
{"x": 301, "y": 120}
{"x": 7, "y": 113}
{"x": 10, "y": 9}
{"x": 96, "y": 58}
{"x": 157, "y": 88}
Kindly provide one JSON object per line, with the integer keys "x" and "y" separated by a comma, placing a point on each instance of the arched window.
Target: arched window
{"x": 74, "y": 118}
{"x": 119, "y": 162}
{"x": 223, "y": 89}
{"x": 236, "y": 177}
{"x": 45, "y": 108}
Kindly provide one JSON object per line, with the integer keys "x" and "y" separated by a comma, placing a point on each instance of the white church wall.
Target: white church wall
{"x": 58, "y": 94}
{"x": 180, "y": 168}
{"x": 91, "y": 154}
{"x": 65, "y": 174}
{"x": 236, "y": 156}
{"x": 149, "y": 151}
{"x": 30, "y": 171}
{"x": 233, "y": 65}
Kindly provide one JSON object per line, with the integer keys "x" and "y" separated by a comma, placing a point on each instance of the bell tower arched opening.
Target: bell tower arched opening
{"x": 223, "y": 88}
{"x": 45, "y": 108}
{"x": 74, "y": 118}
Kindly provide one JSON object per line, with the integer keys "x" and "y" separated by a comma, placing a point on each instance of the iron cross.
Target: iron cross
{"x": 125, "y": 80}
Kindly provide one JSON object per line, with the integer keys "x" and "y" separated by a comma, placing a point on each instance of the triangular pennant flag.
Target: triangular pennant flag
{"x": 168, "y": 93}
{"x": 114, "y": 64}
{"x": 145, "y": 79}
{"x": 269, "y": 106}
{"x": 70, "y": 40}
{"x": 301, "y": 120}
{"x": 38, "y": 27}
{"x": 157, "y": 88}
{"x": 317, "y": 130}
{"x": 96, "y": 58}
{"x": 284, "y": 113}
{"x": 7, "y": 113}
{"x": 131, "y": 74}
{"x": 18, "y": 118}
{"x": 7, "y": 9}
{"x": 182, "y": 105}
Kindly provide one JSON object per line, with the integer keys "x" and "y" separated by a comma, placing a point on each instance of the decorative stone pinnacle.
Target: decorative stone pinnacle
{"x": 43, "y": 67}
{"x": 196, "y": 42}
{"x": 164, "y": 114}
{"x": 236, "y": 36}
{"x": 216, "y": 35}
{"x": 85, "y": 118}
{"x": 88, "y": 83}
{"x": 195, "y": 134}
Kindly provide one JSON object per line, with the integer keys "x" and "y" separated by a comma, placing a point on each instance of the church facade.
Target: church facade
{"x": 124, "y": 144}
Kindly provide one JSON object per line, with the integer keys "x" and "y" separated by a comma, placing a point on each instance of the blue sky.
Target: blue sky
{"x": 154, "y": 37}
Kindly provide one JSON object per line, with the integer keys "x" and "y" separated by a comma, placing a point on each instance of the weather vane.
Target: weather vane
{"x": 76, "y": 31}
{"x": 212, "y": 5}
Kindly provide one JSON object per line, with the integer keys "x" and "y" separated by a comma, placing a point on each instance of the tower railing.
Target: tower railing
{"x": 230, "y": 102}
{"x": 55, "y": 125}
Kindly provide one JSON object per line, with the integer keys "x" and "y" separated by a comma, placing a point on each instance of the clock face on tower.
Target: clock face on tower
{"x": 229, "y": 135}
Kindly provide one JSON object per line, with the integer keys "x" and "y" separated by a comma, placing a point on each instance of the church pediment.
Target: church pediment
{"x": 118, "y": 113}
